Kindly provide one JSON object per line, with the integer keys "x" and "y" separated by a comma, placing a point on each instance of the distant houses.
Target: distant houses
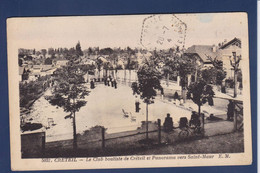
{"x": 204, "y": 54}
{"x": 32, "y": 72}
{"x": 33, "y": 64}
{"x": 201, "y": 54}
{"x": 60, "y": 62}
{"x": 37, "y": 71}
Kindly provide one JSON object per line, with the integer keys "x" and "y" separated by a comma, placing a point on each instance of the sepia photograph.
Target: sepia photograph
{"x": 128, "y": 91}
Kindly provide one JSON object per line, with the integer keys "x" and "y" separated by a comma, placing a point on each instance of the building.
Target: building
{"x": 61, "y": 62}
{"x": 227, "y": 49}
{"x": 204, "y": 54}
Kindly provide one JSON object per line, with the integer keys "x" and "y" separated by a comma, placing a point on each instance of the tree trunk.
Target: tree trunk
{"x": 183, "y": 93}
{"x": 235, "y": 84}
{"x": 183, "y": 88}
{"x": 167, "y": 82}
{"x": 129, "y": 75}
{"x": 87, "y": 77}
{"x": 201, "y": 118}
{"x": 124, "y": 74}
{"x": 75, "y": 146}
{"x": 196, "y": 74}
{"x": 199, "y": 110}
{"x": 147, "y": 121}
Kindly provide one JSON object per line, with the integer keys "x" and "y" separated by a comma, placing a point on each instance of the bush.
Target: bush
{"x": 229, "y": 83}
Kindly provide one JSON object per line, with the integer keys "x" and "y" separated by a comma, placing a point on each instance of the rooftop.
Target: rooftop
{"x": 203, "y": 51}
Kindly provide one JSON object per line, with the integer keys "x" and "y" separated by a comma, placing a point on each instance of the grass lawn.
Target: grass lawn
{"x": 228, "y": 143}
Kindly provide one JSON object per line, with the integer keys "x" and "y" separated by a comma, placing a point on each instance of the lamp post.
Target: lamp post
{"x": 234, "y": 62}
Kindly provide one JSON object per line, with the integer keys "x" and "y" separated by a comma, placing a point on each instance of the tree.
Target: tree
{"x": 69, "y": 93}
{"x": 99, "y": 64}
{"x": 217, "y": 72}
{"x": 130, "y": 65}
{"x": 72, "y": 52}
{"x": 20, "y": 62}
{"x": 130, "y": 51}
{"x": 78, "y": 50}
{"x": 107, "y": 66}
{"x": 51, "y": 51}
{"x": 48, "y": 61}
{"x": 234, "y": 62}
{"x": 200, "y": 92}
{"x": 90, "y": 51}
{"x": 167, "y": 69}
{"x": 213, "y": 75}
{"x": 184, "y": 66}
{"x": 106, "y": 51}
{"x": 44, "y": 51}
{"x": 148, "y": 82}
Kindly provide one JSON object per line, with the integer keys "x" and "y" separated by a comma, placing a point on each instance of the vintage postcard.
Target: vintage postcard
{"x": 129, "y": 91}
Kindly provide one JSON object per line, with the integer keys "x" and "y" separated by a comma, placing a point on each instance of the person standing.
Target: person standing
{"x": 112, "y": 83}
{"x": 168, "y": 123}
{"x": 230, "y": 111}
{"x": 108, "y": 80}
{"x": 115, "y": 84}
{"x": 105, "y": 81}
{"x": 175, "y": 97}
{"x": 137, "y": 104}
{"x": 162, "y": 92}
{"x": 92, "y": 84}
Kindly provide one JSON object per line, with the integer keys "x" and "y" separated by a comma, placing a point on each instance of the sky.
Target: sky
{"x": 120, "y": 31}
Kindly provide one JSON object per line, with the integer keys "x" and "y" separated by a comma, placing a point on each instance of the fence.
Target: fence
{"x": 98, "y": 143}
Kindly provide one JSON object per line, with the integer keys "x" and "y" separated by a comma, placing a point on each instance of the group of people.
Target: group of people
{"x": 110, "y": 81}
{"x": 194, "y": 121}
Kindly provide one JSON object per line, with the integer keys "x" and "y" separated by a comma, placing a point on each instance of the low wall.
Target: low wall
{"x": 33, "y": 144}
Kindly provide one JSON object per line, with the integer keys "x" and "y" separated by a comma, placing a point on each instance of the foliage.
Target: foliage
{"x": 87, "y": 68}
{"x": 106, "y": 51}
{"x": 44, "y": 52}
{"x": 69, "y": 91}
{"x": 215, "y": 74}
{"x": 169, "y": 66}
{"x": 78, "y": 50}
{"x": 20, "y": 62}
{"x": 107, "y": 66}
{"x": 30, "y": 91}
{"x": 31, "y": 126}
{"x": 131, "y": 64}
{"x": 148, "y": 82}
{"x": 239, "y": 75}
{"x": 51, "y": 51}
{"x": 99, "y": 64}
{"x": 200, "y": 92}
{"x": 48, "y": 61}
{"x": 183, "y": 65}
